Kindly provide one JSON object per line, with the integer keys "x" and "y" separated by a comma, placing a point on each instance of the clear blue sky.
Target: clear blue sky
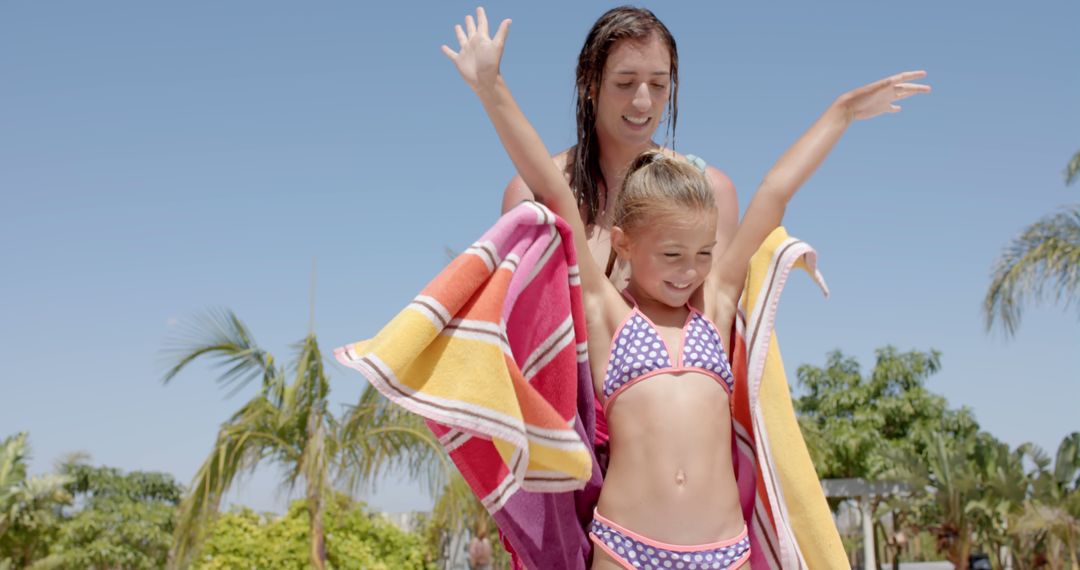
{"x": 157, "y": 159}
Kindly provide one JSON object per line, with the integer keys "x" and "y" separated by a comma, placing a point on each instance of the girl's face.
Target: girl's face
{"x": 669, "y": 259}
{"x": 634, "y": 90}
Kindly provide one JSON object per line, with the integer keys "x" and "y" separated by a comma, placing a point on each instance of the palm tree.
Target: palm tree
{"x": 947, "y": 486}
{"x": 1043, "y": 261}
{"x": 1062, "y": 529}
{"x": 1006, "y": 486}
{"x": 29, "y": 506}
{"x": 1055, "y": 506}
{"x": 459, "y": 513}
{"x": 288, "y": 423}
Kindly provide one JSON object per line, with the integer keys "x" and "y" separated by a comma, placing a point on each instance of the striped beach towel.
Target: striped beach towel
{"x": 783, "y": 503}
{"x": 492, "y": 353}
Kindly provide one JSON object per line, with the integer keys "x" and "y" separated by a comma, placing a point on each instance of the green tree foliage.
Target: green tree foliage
{"x": 245, "y": 539}
{"x": 968, "y": 490}
{"x": 1050, "y": 517}
{"x": 98, "y": 518}
{"x": 355, "y": 539}
{"x": 121, "y": 521}
{"x": 857, "y": 425}
{"x": 29, "y": 506}
{"x": 861, "y": 427}
{"x": 1002, "y": 484}
{"x": 457, "y": 511}
{"x": 1042, "y": 263}
{"x": 288, "y": 423}
{"x": 976, "y": 493}
{"x": 125, "y": 520}
{"x": 951, "y": 484}
{"x": 886, "y": 425}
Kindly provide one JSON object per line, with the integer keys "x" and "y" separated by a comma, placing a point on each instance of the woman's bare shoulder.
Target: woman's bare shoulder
{"x": 719, "y": 180}
{"x": 721, "y": 184}
{"x": 561, "y": 158}
{"x": 516, "y": 190}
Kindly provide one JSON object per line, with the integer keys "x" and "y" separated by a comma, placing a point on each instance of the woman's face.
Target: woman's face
{"x": 634, "y": 91}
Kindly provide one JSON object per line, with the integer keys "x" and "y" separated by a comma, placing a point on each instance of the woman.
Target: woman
{"x": 627, "y": 74}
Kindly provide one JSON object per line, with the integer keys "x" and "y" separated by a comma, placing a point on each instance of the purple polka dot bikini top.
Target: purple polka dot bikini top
{"x": 638, "y": 352}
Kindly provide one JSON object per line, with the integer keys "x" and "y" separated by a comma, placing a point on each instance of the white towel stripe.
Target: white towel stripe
{"x": 559, "y": 339}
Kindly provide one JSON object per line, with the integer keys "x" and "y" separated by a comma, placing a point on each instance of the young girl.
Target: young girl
{"x": 626, "y": 81}
{"x": 670, "y": 498}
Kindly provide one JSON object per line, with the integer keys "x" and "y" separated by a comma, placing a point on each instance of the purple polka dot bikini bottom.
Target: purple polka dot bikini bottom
{"x": 633, "y": 551}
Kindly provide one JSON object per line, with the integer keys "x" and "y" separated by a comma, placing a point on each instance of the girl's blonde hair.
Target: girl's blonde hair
{"x": 656, "y": 186}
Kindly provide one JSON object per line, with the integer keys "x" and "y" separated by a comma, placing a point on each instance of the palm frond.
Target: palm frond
{"x": 1038, "y": 456}
{"x": 1039, "y": 517}
{"x": 14, "y": 452}
{"x": 222, "y": 337}
{"x": 70, "y": 459}
{"x": 1072, "y": 170}
{"x": 254, "y": 433}
{"x": 457, "y": 508}
{"x": 50, "y": 562}
{"x": 23, "y": 497}
{"x": 1067, "y": 463}
{"x": 304, "y": 402}
{"x": 288, "y": 422}
{"x": 378, "y": 436}
{"x": 312, "y": 384}
{"x": 31, "y": 497}
{"x": 1044, "y": 261}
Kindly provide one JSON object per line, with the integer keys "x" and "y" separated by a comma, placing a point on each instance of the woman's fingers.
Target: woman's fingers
{"x": 470, "y": 25}
{"x": 449, "y": 52}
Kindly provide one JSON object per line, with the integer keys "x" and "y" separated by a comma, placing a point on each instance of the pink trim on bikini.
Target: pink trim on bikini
{"x": 676, "y": 358}
{"x": 666, "y": 546}
{"x": 682, "y": 332}
{"x": 673, "y": 370}
{"x": 640, "y": 552}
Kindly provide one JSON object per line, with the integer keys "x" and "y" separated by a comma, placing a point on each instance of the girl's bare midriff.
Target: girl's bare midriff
{"x": 671, "y": 476}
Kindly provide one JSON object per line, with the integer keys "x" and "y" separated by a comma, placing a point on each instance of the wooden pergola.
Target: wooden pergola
{"x": 863, "y": 492}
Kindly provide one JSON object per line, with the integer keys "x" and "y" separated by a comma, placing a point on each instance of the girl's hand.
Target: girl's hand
{"x": 881, "y": 96}
{"x": 478, "y": 57}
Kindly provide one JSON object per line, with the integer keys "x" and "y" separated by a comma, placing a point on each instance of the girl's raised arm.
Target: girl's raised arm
{"x": 766, "y": 209}
{"x": 478, "y": 62}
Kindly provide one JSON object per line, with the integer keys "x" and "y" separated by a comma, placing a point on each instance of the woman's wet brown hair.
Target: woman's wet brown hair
{"x": 617, "y": 24}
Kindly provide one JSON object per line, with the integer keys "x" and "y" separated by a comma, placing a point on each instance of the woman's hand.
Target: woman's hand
{"x": 478, "y": 57}
{"x": 881, "y": 96}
